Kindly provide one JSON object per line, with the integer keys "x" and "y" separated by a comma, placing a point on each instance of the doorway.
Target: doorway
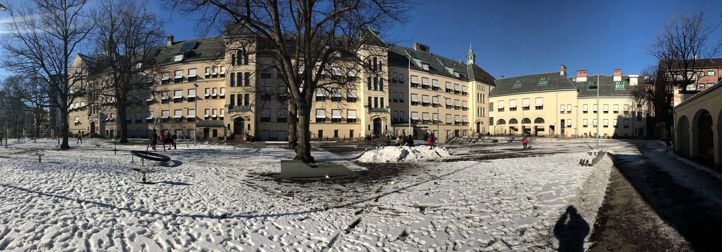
{"x": 377, "y": 127}
{"x": 238, "y": 124}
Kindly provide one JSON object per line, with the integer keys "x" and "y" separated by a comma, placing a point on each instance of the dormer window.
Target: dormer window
{"x": 457, "y": 74}
{"x": 178, "y": 58}
{"x": 425, "y": 66}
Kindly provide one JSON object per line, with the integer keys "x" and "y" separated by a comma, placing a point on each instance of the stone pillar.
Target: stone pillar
{"x": 693, "y": 141}
{"x": 716, "y": 130}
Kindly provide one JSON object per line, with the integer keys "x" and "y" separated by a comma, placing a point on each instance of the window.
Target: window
{"x": 165, "y": 114}
{"x": 320, "y": 115}
{"x": 336, "y": 115}
{"x": 192, "y": 113}
{"x": 449, "y": 103}
{"x": 562, "y": 108}
{"x": 352, "y": 96}
{"x": 223, "y": 71}
{"x": 425, "y": 100}
{"x": 615, "y": 108}
{"x": 525, "y": 103}
{"x": 615, "y": 123}
{"x": 595, "y": 108}
{"x": 281, "y": 115}
{"x": 435, "y": 100}
{"x": 569, "y": 108}
{"x": 585, "y": 108}
{"x": 336, "y": 94}
{"x": 424, "y": 82}
{"x": 223, "y": 92}
{"x": 710, "y": 72}
{"x": 435, "y": 84}
{"x": 178, "y": 58}
{"x": 500, "y": 106}
{"x": 178, "y": 76}
{"x": 213, "y": 113}
{"x": 351, "y": 115}
{"x": 448, "y": 119}
{"x": 214, "y": 93}
{"x": 435, "y": 117}
{"x": 208, "y": 72}
{"x": 178, "y": 113}
{"x": 539, "y": 103}
{"x": 605, "y": 123}
{"x": 585, "y": 122}
{"x": 207, "y": 92}
{"x": 425, "y": 66}
{"x": 626, "y": 108}
{"x": 618, "y": 85}
{"x": 464, "y": 105}
{"x": 320, "y": 95}
{"x": 594, "y": 123}
{"x": 192, "y": 74}
{"x": 247, "y": 79}
{"x": 569, "y": 123}
{"x": 266, "y": 115}
{"x": 214, "y": 71}
{"x": 605, "y": 108}
{"x": 207, "y": 114}
{"x": 512, "y": 105}
{"x": 233, "y": 79}
{"x": 177, "y": 94}
{"x": 425, "y": 117}
{"x": 414, "y": 99}
{"x": 457, "y": 89}
{"x": 414, "y": 116}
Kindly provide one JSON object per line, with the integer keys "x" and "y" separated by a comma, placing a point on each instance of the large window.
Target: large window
{"x": 525, "y": 103}
{"x": 350, "y": 115}
{"x": 320, "y": 115}
{"x": 336, "y": 115}
{"x": 539, "y": 103}
{"x": 512, "y": 105}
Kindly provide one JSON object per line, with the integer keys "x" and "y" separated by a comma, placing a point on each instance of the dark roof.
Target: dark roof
{"x": 608, "y": 87}
{"x": 532, "y": 83}
{"x": 399, "y": 56}
{"x": 195, "y": 49}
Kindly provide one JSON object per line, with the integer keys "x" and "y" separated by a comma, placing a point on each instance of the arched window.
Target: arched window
{"x": 525, "y": 121}
{"x": 539, "y": 120}
{"x": 513, "y": 121}
{"x": 500, "y": 122}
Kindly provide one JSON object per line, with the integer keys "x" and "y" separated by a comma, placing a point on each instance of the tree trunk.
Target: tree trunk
{"x": 122, "y": 125}
{"x": 303, "y": 149}
{"x": 64, "y": 130}
{"x": 292, "y": 125}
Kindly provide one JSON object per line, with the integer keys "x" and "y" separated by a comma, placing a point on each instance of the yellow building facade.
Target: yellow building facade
{"x": 224, "y": 88}
{"x": 551, "y": 104}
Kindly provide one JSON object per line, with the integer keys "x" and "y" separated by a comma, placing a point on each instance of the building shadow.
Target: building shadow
{"x": 571, "y": 229}
{"x": 692, "y": 214}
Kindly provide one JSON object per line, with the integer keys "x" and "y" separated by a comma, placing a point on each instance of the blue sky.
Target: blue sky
{"x": 513, "y": 38}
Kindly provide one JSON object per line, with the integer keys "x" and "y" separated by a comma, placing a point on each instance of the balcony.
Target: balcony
{"x": 379, "y": 110}
{"x": 238, "y": 109}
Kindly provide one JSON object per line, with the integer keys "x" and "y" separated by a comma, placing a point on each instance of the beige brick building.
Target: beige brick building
{"x": 551, "y": 104}
{"x": 208, "y": 89}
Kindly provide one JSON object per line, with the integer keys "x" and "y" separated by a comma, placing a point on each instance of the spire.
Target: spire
{"x": 470, "y": 57}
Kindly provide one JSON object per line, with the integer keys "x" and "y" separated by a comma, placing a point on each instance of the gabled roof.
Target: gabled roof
{"x": 399, "y": 56}
{"x": 532, "y": 83}
{"x": 607, "y": 86}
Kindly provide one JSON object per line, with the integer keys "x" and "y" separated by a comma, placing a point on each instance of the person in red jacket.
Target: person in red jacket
{"x": 524, "y": 141}
{"x": 430, "y": 140}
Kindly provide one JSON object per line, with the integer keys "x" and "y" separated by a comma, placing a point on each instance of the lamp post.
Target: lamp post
{"x": 195, "y": 117}
{"x": 598, "y": 86}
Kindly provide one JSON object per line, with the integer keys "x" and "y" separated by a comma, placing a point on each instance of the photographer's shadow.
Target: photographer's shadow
{"x": 570, "y": 230}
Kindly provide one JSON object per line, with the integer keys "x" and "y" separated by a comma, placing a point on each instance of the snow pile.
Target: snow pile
{"x": 404, "y": 154}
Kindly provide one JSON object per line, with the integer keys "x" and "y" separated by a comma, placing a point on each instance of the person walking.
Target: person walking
{"x": 80, "y": 138}
{"x": 410, "y": 141}
{"x": 153, "y": 139}
{"x": 524, "y": 142}
{"x": 172, "y": 141}
{"x": 399, "y": 141}
{"x": 430, "y": 140}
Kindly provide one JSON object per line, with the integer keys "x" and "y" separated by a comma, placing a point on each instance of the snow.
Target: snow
{"x": 404, "y": 154}
{"x": 220, "y": 199}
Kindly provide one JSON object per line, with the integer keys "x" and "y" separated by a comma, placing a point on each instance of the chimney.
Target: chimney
{"x": 421, "y": 47}
{"x": 617, "y": 74}
{"x": 581, "y": 76}
{"x": 170, "y": 40}
{"x": 563, "y": 70}
{"x": 633, "y": 79}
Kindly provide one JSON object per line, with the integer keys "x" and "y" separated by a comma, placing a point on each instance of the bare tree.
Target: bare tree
{"x": 643, "y": 92}
{"x": 127, "y": 34}
{"x": 45, "y": 35}
{"x": 32, "y": 92}
{"x": 680, "y": 49}
{"x": 314, "y": 44}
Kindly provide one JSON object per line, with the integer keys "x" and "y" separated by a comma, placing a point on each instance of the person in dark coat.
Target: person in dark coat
{"x": 173, "y": 140}
{"x": 410, "y": 141}
{"x": 153, "y": 139}
{"x": 80, "y": 138}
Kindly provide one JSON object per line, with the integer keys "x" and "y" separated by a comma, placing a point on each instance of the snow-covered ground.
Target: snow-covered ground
{"x": 393, "y": 154}
{"x": 220, "y": 198}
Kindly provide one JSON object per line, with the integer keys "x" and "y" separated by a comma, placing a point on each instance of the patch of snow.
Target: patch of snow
{"x": 391, "y": 154}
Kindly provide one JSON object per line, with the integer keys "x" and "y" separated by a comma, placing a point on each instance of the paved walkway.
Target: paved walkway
{"x": 657, "y": 201}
